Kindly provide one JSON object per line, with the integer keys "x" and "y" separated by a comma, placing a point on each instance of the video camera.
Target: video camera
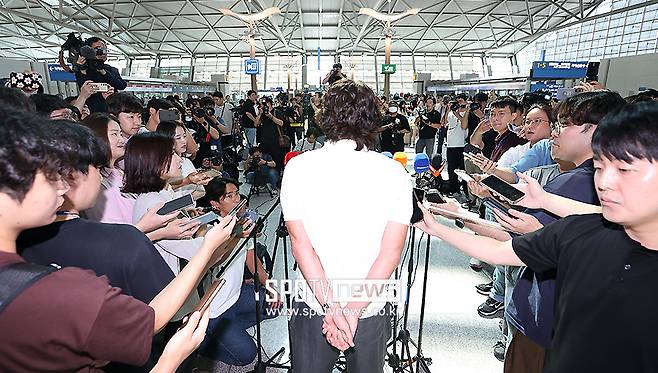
{"x": 77, "y": 48}
{"x": 201, "y": 112}
{"x": 215, "y": 156}
{"x": 455, "y": 106}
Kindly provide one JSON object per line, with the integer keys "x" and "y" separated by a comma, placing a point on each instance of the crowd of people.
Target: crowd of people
{"x": 84, "y": 180}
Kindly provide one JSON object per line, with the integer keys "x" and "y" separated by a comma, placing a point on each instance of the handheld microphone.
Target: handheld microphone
{"x": 289, "y": 156}
{"x": 421, "y": 163}
{"x": 402, "y": 158}
{"x": 437, "y": 165}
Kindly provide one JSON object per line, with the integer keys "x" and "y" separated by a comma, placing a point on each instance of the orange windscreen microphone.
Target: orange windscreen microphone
{"x": 437, "y": 165}
{"x": 402, "y": 158}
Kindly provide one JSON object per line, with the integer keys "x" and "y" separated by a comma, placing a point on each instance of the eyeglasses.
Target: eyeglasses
{"x": 231, "y": 195}
{"x": 534, "y": 122}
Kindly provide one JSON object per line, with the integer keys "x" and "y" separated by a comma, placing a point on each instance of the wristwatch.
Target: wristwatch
{"x": 459, "y": 223}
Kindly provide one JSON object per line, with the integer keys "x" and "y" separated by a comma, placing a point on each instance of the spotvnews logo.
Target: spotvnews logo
{"x": 342, "y": 291}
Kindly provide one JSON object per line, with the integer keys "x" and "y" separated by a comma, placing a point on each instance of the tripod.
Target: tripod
{"x": 261, "y": 366}
{"x": 400, "y": 363}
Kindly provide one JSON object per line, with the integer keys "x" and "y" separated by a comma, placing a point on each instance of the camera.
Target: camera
{"x": 265, "y": 107}
{"x": 76, "y": 48}
{"x": 201, "y": 112}
{"x": 474, "y": 106}
{"x": 454, "y": 105}
{"x": 254, "y": 163}
{"x": 215, "y": 156}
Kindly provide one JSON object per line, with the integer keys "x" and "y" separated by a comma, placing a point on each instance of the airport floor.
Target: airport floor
{"x": 454, "y": 336}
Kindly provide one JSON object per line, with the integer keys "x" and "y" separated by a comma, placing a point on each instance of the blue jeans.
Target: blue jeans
{"x": 271, "y": 176}
{"x": 227, "y": 339}
{"x": 251, "y": 137}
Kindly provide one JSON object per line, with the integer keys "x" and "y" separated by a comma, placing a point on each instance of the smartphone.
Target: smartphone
{"x": 100, "y": 87}
{"x": 470, "y": 148}
{"x": 469, "y": 156}
{"x": 210, "y": 173}
{"x": 238, "y": 207}
{"x": 205, "y": 218}
{"x": 433, "y": 196}
{"x": 494, "y": 204}
{"x": 418, "y": 195}
{"x": 502, "y": 188}
{"x": 168, "y": 115}
{"x": 487, "y": 114}
{"x": 208, "y": 297}
{"x": 176, "y": 204}
{"x": 464, "y": 176}
{"x": 564, "y": 93}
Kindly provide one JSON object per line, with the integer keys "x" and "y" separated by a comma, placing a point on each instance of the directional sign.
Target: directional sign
{"x": 558, "y": 70}
{"x": 252, "y": 67}
{"x": 58, "y": 74}
{"x": 389, "y": 68}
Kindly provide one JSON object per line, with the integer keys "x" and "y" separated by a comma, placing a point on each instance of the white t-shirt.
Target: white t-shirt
{"x": 456, "y": 137}
{"x": 512, "y": 155}
{"x": 361, "y": 191}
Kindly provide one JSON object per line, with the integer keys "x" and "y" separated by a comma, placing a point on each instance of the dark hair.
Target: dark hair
{"x": 481, "y": 97}
{"x": 158, "y": 104}
{"x": 589, "y": 107}
{"x": 463, "y": 96}
{"x": 547, "y": 109}
{"x": 311, "y": 131}
{"x": 216, "y": 188}
{"x": 630, "y": 133}
{"x": 14, "y": 100}
{"x": 147, "y": 157}
{"x": 533, "y": 98}
{"x": 218, "y": 94}
{"x": 81, "y": 145}
{"x": 192, "y": 101}
{"x": 168, "y": 128}
{"x": 255, "y": 149}
{"x": 338, "y": 66}
{"x": 250, "y": 92}
{"x": 207, "y": 101}
{"x": 430, "y": 98}
{"x": 653, "y": 93}
{"x": 638, "y": 98}
{"x": 93, "y": 40}
{"x": 98, "y": 122}
{"x": 26, "y": 148}
{"x": 351, "y": 111}
{"x": 506, "y": 102}
{"x": 123, "y": 102}
{"x": 46, "y": 104}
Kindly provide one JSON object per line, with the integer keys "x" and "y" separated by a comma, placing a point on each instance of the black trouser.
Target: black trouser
{"x": 311, "y": 353}
{"x": 455, "y": 162}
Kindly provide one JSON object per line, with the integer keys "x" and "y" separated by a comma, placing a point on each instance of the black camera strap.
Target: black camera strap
{"x": 16, "y": 278}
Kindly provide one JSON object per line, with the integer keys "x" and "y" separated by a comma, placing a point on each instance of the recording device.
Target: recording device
{"x": 210, "y": 172}
{"x": 265, "y": 107}
{"x": 201, "y": 112}
{"x": 167, "y": 115}
{"x": 234, "y": 211}
{"x": 91, "y": 61}
{"x": 454, "y": 105}
{"x": 470, "y": 148}
{"x": 176, "y": 204}
{"x": 100, "y": 87}
{"x": 204, "y": 219}
{"x": 418, "y": 195}
{"x": 207, "y": 298}
{"x": 474, "y": 106}
{"x": 215, "y": 156}
{"x": 433, "y": 196}
{"x": 494, "y": 204}
{"x": 464, "y": 176}
{"x": 428, "y": 173}
{"x": 502, "y": 188}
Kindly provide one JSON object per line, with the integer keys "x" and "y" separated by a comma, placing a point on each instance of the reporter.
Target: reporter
{"x": 51, "y": 314}
{"x": 605, "y": 263}
{"x": 105, "y": 74}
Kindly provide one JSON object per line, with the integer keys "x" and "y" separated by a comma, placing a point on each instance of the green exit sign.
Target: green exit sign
{"x": 388, "y": 68}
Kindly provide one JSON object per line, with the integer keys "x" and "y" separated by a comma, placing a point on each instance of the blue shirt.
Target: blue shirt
{"x": 531, "y": 310}
{"x": 538, "y": 155}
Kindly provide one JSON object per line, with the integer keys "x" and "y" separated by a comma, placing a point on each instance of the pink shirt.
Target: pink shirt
{"x": 112, "y": 206}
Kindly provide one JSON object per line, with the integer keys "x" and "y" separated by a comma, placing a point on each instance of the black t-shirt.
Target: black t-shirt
{"x": 489, "y": 140}
{"x": 393, "y": 141}
{"x": 605, "y": 309}
{"x": 425, "y": 131}
{"x": 119, "y": 251}
{"x": 248, "y": 107}
{"x": 473, "y": 121}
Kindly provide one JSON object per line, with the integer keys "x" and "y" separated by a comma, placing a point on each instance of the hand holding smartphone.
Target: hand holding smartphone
{"x": 176, "y": 204}
{"x": 503, "y": 189}
{"x": 208, "y": 297}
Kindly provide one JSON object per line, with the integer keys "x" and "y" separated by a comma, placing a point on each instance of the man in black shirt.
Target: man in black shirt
{"x": 334, "y": 75}
{"x": 106, "y": 74}
{"x": 605, "y": 314}
{"x": 393, "y": 130}
{"x": 250, "y": 118}
{"x": 428, "y": 123}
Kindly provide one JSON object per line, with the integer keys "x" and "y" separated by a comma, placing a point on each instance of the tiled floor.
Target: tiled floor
{"x": 454, "y": 337}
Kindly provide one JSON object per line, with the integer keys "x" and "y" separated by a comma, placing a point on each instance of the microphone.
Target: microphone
{"x": 388, "y": 154}
{"x": 289, "y": 156}
{"x": 88, "y": 52}
{"x": 437, "y": 165}
{"x": 402, "y": 158}
{"x": 421, "y": 163}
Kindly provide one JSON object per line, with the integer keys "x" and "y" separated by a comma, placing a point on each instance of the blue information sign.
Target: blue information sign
{"x": 558, "y": 70}
{"x": 58, "y": 74}
{"x": 550, "y": 86}
{"x": 252, "y": 67}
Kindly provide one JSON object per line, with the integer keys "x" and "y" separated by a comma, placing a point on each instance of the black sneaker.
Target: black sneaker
{"x": 491, "y": 309}
{"x": 499, "y": 350}
{"x": 484, "y": 289}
